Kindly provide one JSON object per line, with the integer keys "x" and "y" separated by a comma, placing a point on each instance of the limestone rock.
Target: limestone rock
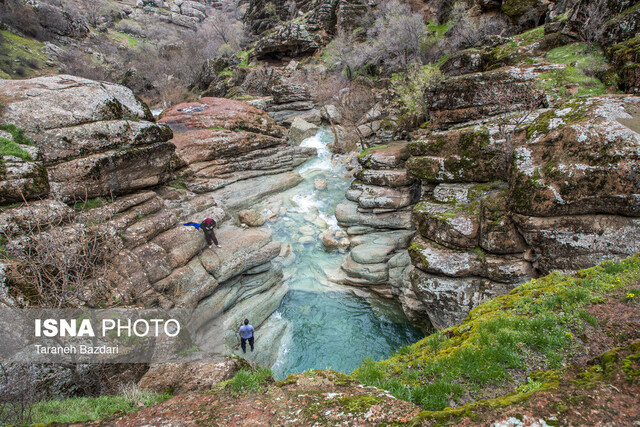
{"x": 188, "y": 376}
{"x": 570, "y": 243}
{"x": 581, "y": 159}
{"x": 96, "y": 139}
{"x": 365, "y": 274}
{"x": 291, "y": 39}
{"x": 447, "y": 300}
{"x": 115, "y": 172}
{"x": 320, "y": 184}
{"x": 290, "y": 93}
{"x": 61, "y": 101}
{"x": 391, "y": 156}
{"x": 210, "y": 70}
{"x": 22, "y": 178}
{"x": 435, "y": 259}
{"x": 251, "y": 217}
{"x": 241, "y": 250}
{"x": 459, "y": 230}
{"x": 386, "y": 178}
{"x": 301, "y": 130}
{"x": 457, "y": 156}
{"x": 222, "y": 113}
{"x": 348, "y": 215}
{"x": 22, "y": 218}
{"x": 329, "y": 239}
{"x": 458, "y": 100}
{"x": 331, "y": 114}
{"x": 227, "y": 142}
{"x": 372, "y": 196}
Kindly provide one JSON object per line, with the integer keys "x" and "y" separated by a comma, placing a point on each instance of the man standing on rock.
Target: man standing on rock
{"x": 207, "y": 226}
{"x": 246, "y": 334}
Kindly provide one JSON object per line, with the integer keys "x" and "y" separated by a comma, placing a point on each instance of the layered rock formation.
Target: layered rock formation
{"x": 95, "y": 144}
{"x": 88, "y": 135}
{"x": 289, "y": 31}
{"x": 485, "y": 227}
{"x": 377, "y": 218}
{"x": 182, "y": 13}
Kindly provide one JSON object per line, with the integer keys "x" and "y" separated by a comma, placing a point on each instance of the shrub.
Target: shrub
{"x": 249, "y": 380}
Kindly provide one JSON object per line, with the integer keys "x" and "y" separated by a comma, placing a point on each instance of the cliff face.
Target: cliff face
{"x": 503, "y": 187}
{"x": 569, "y": 196}
{"x": 95, "y": 145}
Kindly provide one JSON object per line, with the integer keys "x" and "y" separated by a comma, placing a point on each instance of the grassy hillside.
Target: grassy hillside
{"x": 21, "y": 57}
{"x": 515, "y": 345}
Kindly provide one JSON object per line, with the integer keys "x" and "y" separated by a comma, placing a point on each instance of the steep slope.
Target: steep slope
{"x": 557, "y": 350}
{"x": 96, "y": 164}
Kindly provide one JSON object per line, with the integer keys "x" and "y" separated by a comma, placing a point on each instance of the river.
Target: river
{"x": 329, "y": 326}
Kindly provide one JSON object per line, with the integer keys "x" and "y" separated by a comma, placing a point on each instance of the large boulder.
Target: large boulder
{"x": 301, "y": 130}
{"x": 95, "y": 139}
{"x": 291, "y": 39}
{"x": 182, "y": 377}
{"x": 465, "y": 98}
{"x": 224, "y": 141}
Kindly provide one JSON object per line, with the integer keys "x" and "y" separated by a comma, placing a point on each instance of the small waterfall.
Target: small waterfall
{"x": 328, "y": 325}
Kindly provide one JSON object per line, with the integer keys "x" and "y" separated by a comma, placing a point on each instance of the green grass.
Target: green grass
{"x": 438, "y": 31}
{"x": 533, "y": 326}
{"x": 559, "y": 79}
{"x": 125, "y": 39}
{"x": 368, "y": 151}
{"x": 247, "y": 380}
{"x": 579, "y": 55}
{"x": 88, "y": 204}
{"x": 20, "y": 57}
{"x": 92, "y": 408}
{"x": 10, "y": 148}
{"x": 531, "y": 36}
{"x": 17, "y": 134}
{"x": 583, "y": 62}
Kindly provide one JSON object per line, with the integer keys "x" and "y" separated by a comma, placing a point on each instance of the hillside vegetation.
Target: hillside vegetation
{"x": 522, "y": 343}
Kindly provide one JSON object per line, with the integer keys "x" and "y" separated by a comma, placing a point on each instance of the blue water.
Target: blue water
{"x": 329, "y": 326}
{"x": 338, "y": 330}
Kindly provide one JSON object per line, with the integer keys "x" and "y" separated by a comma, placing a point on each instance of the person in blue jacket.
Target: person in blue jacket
{"x": 246, "y": 334}
{"x": 207, "y": 227}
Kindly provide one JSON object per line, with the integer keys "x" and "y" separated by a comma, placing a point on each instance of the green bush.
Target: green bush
{"x": 248, "y": 380}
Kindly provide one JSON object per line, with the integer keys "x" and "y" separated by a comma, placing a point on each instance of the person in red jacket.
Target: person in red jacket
{"x": 207, "y": 226}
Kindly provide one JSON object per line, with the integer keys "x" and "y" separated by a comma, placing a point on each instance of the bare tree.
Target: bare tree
{"x": 353, "y": 101}
{"x": 94, "y": 9}
{"x": 59, "y": 264}
{"x": 593, "y": 27}
{"x": 398, "y": 34}
{"x": 17, "y": 395}
{"x": 471, "y": 30}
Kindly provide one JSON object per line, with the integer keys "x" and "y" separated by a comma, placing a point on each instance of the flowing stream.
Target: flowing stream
{"x": 329, "y": 326}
